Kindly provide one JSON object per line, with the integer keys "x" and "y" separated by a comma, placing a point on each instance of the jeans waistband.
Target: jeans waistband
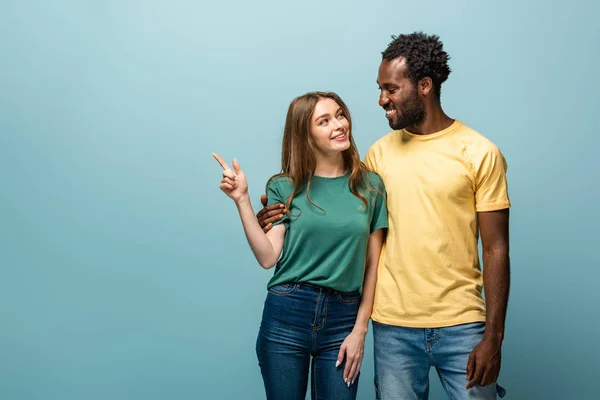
{"x": 318, "y": 288}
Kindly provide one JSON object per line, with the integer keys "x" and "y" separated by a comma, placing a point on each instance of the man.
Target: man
{"x": 446, "y": 186}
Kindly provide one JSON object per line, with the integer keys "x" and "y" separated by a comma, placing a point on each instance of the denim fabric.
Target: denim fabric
{"x": 302, "y": 329}
{"x": 404, "y": 356}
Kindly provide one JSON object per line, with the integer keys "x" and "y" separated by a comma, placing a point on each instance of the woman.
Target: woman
{"x": 331, "y": 237}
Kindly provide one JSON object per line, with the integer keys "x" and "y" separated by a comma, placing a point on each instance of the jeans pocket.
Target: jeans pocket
{"x": 283, "y": 289}
{"x": 349, "y": 297}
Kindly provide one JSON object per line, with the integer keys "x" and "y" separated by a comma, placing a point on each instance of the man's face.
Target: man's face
{"x": 399, "y": 97}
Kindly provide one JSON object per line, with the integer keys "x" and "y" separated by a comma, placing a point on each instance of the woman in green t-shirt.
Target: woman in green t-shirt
{"x": 325, "y": 252}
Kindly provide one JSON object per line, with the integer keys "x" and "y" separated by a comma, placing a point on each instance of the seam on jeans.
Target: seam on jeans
{"x": 446, "y": 385}
{"x": 435, "y": 340}
{"x": 354, "y": 301}
{"x": 283, "y": 293}
{"x": 428, "y": 349}
{"x": 317, "y": 308}
{"x": 314, "y": 379}
{"x": 426, "y": 342}
{"x": 324, "y": 310}
{"x": 313, "y": 346}
{"x": 431, "y": 360}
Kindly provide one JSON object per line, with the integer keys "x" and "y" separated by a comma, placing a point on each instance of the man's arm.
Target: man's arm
{"x": 484, "y": 363}
{"x": 269, "y": 214}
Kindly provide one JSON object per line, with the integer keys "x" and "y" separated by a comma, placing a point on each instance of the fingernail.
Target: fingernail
{"x": 337, "y": 363}
{"x": 352, "y": 382}
{"x": 348, "y": 383}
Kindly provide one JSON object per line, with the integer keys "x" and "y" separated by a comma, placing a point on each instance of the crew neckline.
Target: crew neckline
{"x": 332, "y": 178}
{"x": 453, "y": 127}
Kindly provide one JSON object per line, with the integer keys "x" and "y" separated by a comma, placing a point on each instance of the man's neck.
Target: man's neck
{"x": 435, "y": 120}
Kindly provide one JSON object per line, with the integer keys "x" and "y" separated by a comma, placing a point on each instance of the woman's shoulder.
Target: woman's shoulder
{"x": 280, "y": 182}
{"x": 373, "y": 179}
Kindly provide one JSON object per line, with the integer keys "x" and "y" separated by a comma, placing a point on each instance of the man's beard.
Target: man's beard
{"x": 411, "y": 113}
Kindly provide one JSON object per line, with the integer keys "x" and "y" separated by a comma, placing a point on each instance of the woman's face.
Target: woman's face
{"x": 329, "y": 128}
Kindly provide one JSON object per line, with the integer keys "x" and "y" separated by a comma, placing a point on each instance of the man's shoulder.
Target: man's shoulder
{"x": 383, "y": 142}
{"x": 385, "y": 139}
{"x": 475, "y": 140}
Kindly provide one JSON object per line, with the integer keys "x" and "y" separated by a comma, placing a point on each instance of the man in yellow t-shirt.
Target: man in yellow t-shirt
{"x": 446, "y": 186}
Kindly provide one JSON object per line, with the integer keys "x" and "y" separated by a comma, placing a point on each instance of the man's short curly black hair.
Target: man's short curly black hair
{"x": 424, "y": 55}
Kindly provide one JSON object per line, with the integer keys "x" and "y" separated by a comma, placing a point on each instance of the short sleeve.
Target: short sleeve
{"x": 371, "y": 160}
{"x": 491, "y": 189}
{"x": 380, "y": 214}
{"x": 276, "y": 194}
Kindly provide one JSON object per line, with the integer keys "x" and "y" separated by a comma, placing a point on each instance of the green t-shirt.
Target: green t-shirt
{"x": 327, "y": 247}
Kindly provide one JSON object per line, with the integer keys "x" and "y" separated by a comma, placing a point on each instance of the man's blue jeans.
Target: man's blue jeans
{"x": 302, "y": 330}
{"x": 404, "y": 356}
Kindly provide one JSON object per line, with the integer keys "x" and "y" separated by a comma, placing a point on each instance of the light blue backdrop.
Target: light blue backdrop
{"x": 124, "y": 273}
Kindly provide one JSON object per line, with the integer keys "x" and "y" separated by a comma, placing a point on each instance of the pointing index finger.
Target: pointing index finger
{"x": 221, "y": 162}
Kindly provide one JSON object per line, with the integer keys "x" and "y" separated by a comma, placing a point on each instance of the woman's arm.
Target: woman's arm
{"x": 353, "y": 346}
{"x": 370, "y": 279}
{"x": 266, "y": 247}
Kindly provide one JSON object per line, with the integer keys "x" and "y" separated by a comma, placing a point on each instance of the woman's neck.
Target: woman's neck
{"x": 330, "y": 167}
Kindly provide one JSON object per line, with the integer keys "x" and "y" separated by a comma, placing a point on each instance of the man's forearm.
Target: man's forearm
{"x": 496, "y": 281}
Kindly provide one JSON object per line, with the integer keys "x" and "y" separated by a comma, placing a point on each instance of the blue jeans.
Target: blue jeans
{"x": 404, "y": 356}
{"x": 302, "y": 329}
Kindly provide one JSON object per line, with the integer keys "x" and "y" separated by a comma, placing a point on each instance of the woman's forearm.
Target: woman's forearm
{"x": 369, "y": 281}
{"x": 265, "y": 252}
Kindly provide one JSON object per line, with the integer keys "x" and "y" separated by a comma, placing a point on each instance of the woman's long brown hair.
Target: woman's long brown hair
{"x": 298, "y": 161}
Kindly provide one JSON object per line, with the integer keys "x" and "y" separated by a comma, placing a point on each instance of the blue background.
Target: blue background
{"x": 124, "y": 270}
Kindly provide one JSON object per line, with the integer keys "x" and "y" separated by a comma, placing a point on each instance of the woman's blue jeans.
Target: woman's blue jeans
{"x": 302, "y": 329}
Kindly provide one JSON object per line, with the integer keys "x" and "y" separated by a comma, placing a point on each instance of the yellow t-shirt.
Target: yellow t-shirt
{"x": 429, "y": 272}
